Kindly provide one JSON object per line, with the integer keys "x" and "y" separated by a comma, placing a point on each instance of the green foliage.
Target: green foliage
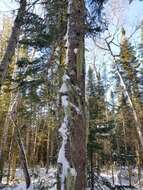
{"x": 99, "y": 128}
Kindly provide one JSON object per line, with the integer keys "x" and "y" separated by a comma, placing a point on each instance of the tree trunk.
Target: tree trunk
{"x": 72, "y": 155}
{"x": 12, "y": 43}
{"x": 137, "y": 120}
{"x": 23, "y": 159}
{"x": 5, "y": 133}
{"x": 10, "y": 156}
{"x": 13, "y": 166}
{"x": 91, "y": 171}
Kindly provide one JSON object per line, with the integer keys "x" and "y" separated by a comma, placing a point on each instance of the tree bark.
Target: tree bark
{"x": 137, "y": 121}
{"x": 73, "y": 129}
{"x": 12, "y": 43}
{"x": 76, "y": 71}
{"x": 22, "y": 155}
{"x": 91, "y": 171}
{"x": 3, "y": 142}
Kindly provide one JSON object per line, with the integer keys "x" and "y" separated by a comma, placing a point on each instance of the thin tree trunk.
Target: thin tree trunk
{"x": 12, "y": 43}
{"x": 92, "y": 171}
{"x": 126, "y": 151}
{"x": 137, "y": 121}
{"x": 12, "y": 116}
{"x": 13, "y": 167}
{"x": 113, "y": 177}
{"x": 32, "y": 159}
{"x": 126, "y": 93}
{"x": 5, "y": 134}
{"x": 48, "y": 151}
{"x": 138, "y": 163}
{"x": 14, "y": 100}
{"x": 22, "y": 154}
{"x": 10, "y": 156}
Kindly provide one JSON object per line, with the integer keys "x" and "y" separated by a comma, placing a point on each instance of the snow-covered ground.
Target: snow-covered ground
{"x": 47, "y": 181}
{"x": 121, "y": 177}
{"x": 39, "y": 178}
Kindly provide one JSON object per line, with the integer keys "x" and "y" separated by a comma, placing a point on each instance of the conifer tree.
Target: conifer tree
{"x": 99, "y": 127}
{"x": 129, "y": 82}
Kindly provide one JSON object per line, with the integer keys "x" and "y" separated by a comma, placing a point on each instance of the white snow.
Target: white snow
{"x": 48, "y": 181}
{"x": 76, "y": 50}
{"x": 42, "y": 181}
{"x": 64, "y": 133}
{"x": 64, "y": 88}
{"x": 61, "y": 157}
{"x": 65, "y": 102}
{"x": 73, "y": 172}
{"x": 69, "y": 6}
{"x": 65, "y": 77}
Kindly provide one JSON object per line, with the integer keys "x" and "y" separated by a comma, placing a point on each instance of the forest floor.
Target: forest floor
{"x": 40, "y": 180}
{"x": 47, "y": 181}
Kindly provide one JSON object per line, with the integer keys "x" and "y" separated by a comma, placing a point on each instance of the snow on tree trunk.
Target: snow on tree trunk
{"x": 72, "y": 154}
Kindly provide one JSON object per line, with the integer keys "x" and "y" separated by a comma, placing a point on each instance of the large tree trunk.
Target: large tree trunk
{"x": 12, "y": 43}
{"x": 72, "y": 155}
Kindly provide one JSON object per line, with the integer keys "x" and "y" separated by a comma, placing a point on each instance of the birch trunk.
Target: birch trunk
{"x": 137, "y": 120}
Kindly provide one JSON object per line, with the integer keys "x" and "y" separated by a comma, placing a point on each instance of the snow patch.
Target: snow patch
{"x": 65, "y": 102}
{"x": 76, "y": 50}
{"x": 65, "y": 77}
{"x": 64, "y": 88}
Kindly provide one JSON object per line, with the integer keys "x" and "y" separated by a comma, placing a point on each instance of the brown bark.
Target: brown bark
{"x": 77, "y": 78}
{"x": 12, "y": 43}
{"x": 13, "y": 166}
{"x": 22, "y": 155}
{"x": 75, "y": 147}
{"x": 3, "y": 142}
{"x": 10, "y": 156}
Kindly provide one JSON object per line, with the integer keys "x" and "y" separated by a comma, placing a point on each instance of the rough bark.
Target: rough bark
{"x": 12, "y": 43}
{"x": 76, "y": 71}
{"x": 74, "y": 137}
